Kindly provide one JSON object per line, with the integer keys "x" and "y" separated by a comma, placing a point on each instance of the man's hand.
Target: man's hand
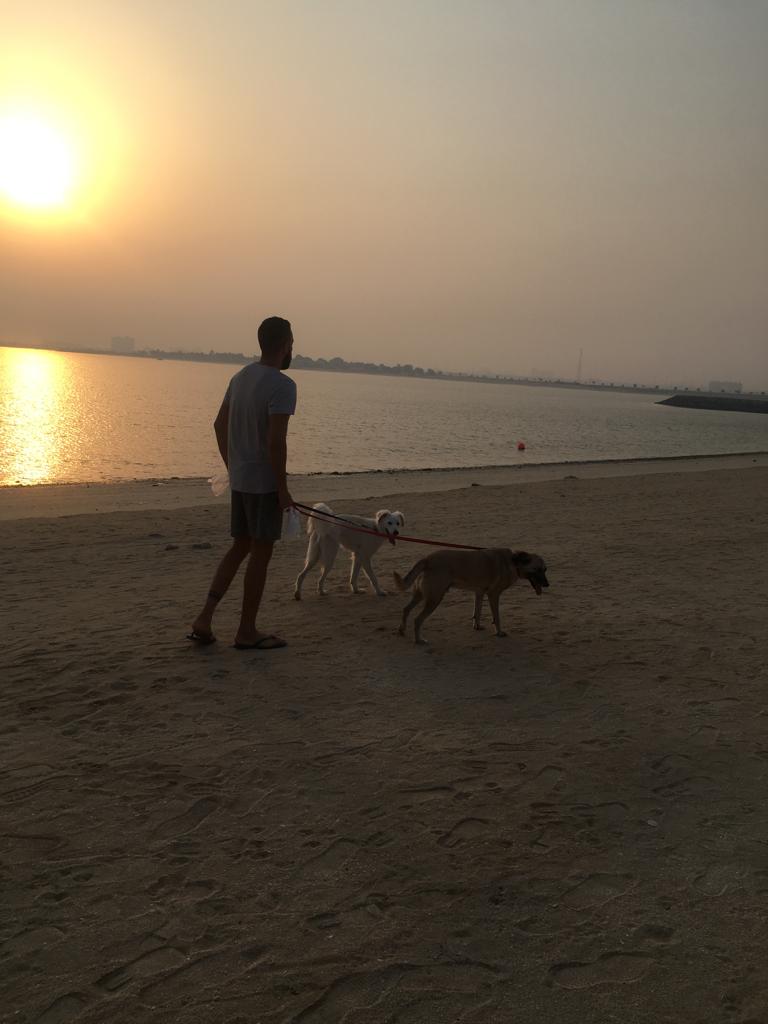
{"x": 284, "y": 498}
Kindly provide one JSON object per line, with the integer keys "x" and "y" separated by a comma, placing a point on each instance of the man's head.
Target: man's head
{"x": 276, "y": 342}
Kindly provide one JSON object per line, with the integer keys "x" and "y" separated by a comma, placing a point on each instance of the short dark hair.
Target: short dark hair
{"x": 274, "y": 332}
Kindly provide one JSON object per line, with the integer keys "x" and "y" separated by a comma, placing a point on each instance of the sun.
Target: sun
{"x": 38, "y": 163}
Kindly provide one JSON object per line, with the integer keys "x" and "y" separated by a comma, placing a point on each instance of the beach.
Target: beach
{"x": 567, "y": 824}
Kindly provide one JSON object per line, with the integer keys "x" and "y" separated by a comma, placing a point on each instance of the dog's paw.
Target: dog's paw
{"x": 381, "y": 593}
{"x": 500, "y": 633}
{"x": 297, "y": 595}
{"x": 420, "y": 642}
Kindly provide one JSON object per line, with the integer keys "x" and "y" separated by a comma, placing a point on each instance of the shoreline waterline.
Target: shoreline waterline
{"x": 95, "y": 424}
{"x": 24, "y": 501}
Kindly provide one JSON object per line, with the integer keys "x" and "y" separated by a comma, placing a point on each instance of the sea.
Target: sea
{"x": 76, "y": 418}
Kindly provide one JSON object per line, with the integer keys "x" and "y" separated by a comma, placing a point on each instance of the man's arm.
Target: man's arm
{"x": 221, "y": 428}
{"x": 277, "y": 446}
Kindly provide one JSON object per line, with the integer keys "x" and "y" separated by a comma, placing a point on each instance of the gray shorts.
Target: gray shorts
{"x": 257, "y": 516}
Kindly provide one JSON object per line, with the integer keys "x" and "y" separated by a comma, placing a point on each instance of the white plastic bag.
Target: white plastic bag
{"x": 219, "y": 483}
{"x": 291, "y": 524}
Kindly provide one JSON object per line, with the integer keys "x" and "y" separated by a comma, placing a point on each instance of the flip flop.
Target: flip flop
{"x": 201, "y": 639}
{"x": 262, "y": 644}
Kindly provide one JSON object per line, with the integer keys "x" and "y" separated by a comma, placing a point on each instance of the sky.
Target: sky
{"x": 476, "y": 186}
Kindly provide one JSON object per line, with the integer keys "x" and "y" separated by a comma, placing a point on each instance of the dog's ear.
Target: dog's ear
{"x": 382, "y": 514}
{"x": 400, "y": 516}
{"x": 521, "y": 558}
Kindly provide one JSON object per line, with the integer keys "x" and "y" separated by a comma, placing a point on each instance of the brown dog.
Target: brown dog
{"x": 489, "y": 571}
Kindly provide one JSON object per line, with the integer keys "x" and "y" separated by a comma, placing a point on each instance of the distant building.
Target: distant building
{"x": 123, "y": 343}
{"x": 725, "y": 387}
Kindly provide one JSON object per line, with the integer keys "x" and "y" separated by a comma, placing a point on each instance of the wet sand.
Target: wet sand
{"x": 75, "y": 499}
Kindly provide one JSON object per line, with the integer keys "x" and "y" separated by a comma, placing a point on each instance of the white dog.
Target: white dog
{"x": 327, "y": 536}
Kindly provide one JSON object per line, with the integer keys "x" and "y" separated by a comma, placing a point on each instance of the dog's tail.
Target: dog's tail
{"x": 405, "y": 582}
{"x": 312, "y": 524}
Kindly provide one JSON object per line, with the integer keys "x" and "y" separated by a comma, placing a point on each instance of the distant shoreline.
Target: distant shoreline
{"x": 338, "y": 365}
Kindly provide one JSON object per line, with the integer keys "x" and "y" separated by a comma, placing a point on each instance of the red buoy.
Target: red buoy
{"x": 521, "y": 446}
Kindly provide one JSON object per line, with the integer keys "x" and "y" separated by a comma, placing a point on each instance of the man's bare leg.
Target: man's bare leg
{"x": 253, "y": 589}
{"x": 228, "y": 566}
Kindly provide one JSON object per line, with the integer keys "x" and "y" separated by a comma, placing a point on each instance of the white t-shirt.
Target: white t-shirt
{"x": 254, "y": 394}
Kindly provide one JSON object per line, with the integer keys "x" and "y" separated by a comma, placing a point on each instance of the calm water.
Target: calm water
{"x": 67, "y": 417}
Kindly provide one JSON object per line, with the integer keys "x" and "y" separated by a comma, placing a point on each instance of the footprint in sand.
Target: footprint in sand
{"x": 465, "y": 829}
{"x": 199, "y": 889}
{"x": 541, "y": 784}
{"x": 707, "y": 734}
{"x": 62, "y": 1010}
{"x": 609, "y": 969}
{"x": 679, "y": 764}
{"x": 192, "y": 976}
{"x": 425, "y": 794}
{"x": 400, "y": 992}
{"x": 333, "y": 856}
{"x": 719, "y": 878}
{"x": 597, "y": 890}
{"x": 145, "y": 966}
{"x": 659, "y": 934}
{"x": 33, "y": 940}
{"x": 349, "y": 994}
{"x": 187, "y": 821}
{"x": 554, "y": 834}
{"x": 364, "y": 916}
{"x": 609, "y": 813}
{"x": 20, "y": 847}
{"x": 327, "y": 919}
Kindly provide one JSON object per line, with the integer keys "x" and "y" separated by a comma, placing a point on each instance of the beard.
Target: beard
{"x": 286, "y": 362}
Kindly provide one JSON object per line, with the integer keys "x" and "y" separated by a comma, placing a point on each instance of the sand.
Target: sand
{"x": 565, "y": 825}
{"x": 74, "y": 499}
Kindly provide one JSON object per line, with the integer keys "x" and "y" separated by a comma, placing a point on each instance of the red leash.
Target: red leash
{"x": 313, "y": 513}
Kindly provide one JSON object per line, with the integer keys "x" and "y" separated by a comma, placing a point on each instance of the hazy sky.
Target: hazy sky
{"x": 468, "y": 185}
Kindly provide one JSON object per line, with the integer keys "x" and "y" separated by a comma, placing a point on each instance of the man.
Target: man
{"x": 251, "y": 430}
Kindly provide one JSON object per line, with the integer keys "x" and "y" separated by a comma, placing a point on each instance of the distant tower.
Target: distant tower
{"x": 578, "y": 375}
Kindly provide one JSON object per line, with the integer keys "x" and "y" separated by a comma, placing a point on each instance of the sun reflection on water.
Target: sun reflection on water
{"x": 33, "y": 387}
